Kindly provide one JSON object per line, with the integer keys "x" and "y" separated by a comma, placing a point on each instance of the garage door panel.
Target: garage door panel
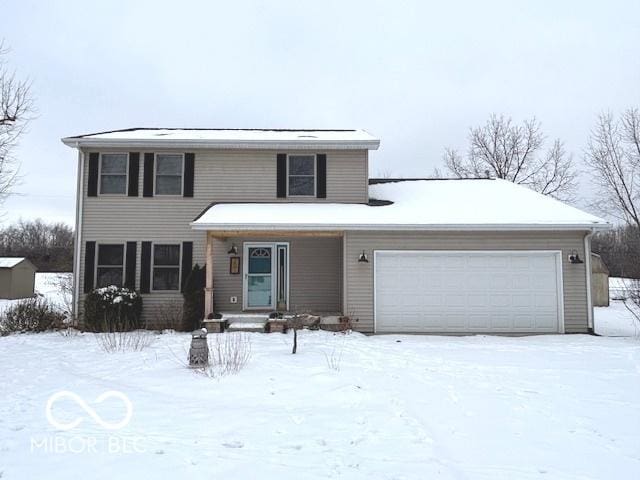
{"x": 501, "y": 321}
{"x": 500, "y": 300}
{"x": 430, "y": 291}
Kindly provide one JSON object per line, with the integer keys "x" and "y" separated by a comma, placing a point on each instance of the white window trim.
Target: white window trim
{"x": 97, "y": 265}
{"x": 315, "y": 174}
{"x": 153, "y": 265}
{"x": 126, "y": 173}
{"x": 155, "y": 175}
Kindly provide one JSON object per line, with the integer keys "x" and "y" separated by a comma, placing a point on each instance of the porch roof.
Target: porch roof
{"x": 470, "y": 204}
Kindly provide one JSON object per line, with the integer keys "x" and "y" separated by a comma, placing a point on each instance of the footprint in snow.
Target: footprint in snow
{"x": 159, "y": 452}
{"x": 234, "y": 444}
{"x": 293, "y": 447}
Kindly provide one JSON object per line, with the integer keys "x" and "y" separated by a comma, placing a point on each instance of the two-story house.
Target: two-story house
{"x": 289, "y": 220}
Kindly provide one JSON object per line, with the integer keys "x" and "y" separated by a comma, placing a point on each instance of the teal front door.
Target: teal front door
{"x": 259, "y": 277}
{"x": 266, "y": 276}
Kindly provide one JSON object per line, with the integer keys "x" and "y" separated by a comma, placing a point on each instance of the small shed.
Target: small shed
{"x": 17, "y": 277}
{"x": 599, "y": 281}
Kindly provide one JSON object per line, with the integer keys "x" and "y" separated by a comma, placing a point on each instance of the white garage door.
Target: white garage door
{"x": 430, "y": 291}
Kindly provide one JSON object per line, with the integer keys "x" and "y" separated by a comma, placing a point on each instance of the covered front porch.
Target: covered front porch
{"x": 251, "y": 273}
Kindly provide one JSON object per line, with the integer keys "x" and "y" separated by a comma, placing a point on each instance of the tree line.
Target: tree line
{"x": 516, "y": 152}
{"x": 49, "y": 246}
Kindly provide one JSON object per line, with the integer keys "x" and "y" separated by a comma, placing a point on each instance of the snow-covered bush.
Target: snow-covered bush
{"x": 113, "y": 309}
{"x": 228, "y": 353}
{"x": 35, "y": 314}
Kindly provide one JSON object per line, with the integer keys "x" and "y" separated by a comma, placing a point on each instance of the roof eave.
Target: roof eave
{"x": 78, "y": 142}
{"x": 401, "y": 227}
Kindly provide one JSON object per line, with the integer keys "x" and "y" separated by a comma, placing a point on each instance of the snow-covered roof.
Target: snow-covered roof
{"x": 474, "y": 204}
{"x": 227, "y": 138}
{"x": 10, "y": 262}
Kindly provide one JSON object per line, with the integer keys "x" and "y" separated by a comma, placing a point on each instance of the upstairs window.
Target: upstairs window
{"x": 166, "y": 267}
{"x": 301, "y": 175}
{"x": 169, "y": 168}
{"x": 113, "y": 173}
{"x": 110, "y": 267}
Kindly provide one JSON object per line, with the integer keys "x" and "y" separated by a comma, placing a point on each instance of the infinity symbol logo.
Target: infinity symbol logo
{"x": 90, "y": 411}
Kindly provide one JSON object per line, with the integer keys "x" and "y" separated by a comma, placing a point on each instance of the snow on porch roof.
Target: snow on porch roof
{"x": 227, "y": 138}
{"x": 474, "y": 204}
{"x": 10, "y": 262}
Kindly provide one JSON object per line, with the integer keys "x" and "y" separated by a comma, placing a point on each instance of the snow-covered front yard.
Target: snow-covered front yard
{"x": 399, "y": 407}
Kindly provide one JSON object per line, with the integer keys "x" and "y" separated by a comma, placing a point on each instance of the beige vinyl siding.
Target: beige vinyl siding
{"x": 359, "y": 276}
{"x": 219, "y": 176}
{"x": 315, "y": 273}
{"x": 250, "y": 176}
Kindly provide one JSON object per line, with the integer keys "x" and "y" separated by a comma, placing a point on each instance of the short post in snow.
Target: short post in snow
{"x": 199, "y": 350}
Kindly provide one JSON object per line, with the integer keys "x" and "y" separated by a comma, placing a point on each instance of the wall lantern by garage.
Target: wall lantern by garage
{"x": 233, "y": 250}
{"x": 574, "y": 257}
{"x": 363, "y": 258}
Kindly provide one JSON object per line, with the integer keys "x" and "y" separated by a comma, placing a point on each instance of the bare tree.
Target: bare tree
{"x": 513, "y": 152}
{"x": 48, "y": 245}
{"x": 16, "y": 108}
{"x": 613, "y": 155}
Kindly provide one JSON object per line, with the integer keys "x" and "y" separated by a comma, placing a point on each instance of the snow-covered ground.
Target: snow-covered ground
{"x": 47, "y": 284}
{"x": 399, "y": 407}
{"x": 616, "y": 321}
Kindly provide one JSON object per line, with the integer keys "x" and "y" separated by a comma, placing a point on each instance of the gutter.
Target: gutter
{"x": 78, "y": 234}
{"x": 394, "y": 227}
{"x": 232, "y": 144}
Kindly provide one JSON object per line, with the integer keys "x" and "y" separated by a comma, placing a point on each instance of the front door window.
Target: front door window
{"x": 266, "y": 276}
{"x": 259, "y": 281}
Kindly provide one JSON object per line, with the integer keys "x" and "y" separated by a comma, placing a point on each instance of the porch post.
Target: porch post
{"x": 208, "y": 290}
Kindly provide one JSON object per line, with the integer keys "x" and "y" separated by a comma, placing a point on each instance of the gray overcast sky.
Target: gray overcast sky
{"x": 415, "y": 74}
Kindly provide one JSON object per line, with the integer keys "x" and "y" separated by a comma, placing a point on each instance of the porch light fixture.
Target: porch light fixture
{"x": 363, "y": 258}
{"x": 233, "y": 250}
{"x": 575, "y": 258}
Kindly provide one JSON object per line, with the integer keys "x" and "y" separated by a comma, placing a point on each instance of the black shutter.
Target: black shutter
{"x": 187, "y": 261}
{"x": 189, "y": 166}
{"x": 89, "y": 265}
{"x": 134, "y": 172}
{"x": 145, "y": 267}
{"x": 94, "y": 161}
{"x": 282, "y": 175}
{"x": 321, "y": 175}
{"x": 147, "y": 183}
{"x": 130, "y": 267}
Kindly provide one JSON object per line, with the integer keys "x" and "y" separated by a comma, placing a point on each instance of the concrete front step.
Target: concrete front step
{"x": 246, "y": 322}
{"x": 247, "y": 327}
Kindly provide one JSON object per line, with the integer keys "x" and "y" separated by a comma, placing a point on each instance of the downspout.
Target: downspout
{"x": 78, "y": 234}
{"x": 587, "y": 267}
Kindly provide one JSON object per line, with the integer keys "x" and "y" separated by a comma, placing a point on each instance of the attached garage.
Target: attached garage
{"x": 468, "y": 291}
